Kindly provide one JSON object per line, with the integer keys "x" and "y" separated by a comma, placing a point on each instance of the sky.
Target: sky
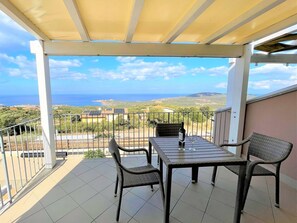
{"x": 124, "y": 75}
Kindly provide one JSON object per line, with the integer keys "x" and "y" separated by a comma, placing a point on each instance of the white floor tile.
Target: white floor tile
{"x": 83, "y": 191}
{"x": 61, "y": 207}
{"x": 78, "y": 215}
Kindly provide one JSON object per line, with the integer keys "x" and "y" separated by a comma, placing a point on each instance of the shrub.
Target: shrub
{"x": 91, "y": 154}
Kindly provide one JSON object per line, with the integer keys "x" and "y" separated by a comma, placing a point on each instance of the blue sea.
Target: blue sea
{"x": 80, "y": 100}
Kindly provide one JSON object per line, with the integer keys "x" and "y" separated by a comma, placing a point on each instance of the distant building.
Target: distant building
{"x": 93, "y": 116}
{"x": 96, "y": 116}
{"x": 168, "y": 110}
{"x": 31, "y": 107}
{"x": 108, "y": 113}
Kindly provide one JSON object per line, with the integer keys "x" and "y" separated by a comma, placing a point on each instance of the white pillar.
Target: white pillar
{"x": 45, "y": 100}
{"x": 231, "y": 76}
{"x": 236, "y": 97}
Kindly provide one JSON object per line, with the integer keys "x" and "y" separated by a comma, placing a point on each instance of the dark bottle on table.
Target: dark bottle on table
{"x": 181, "y": 136}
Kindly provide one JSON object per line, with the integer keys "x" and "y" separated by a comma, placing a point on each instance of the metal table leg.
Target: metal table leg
{"x": 168, "y": 194}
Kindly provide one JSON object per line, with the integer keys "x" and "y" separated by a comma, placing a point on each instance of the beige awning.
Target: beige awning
{"x": 198, "y": 22}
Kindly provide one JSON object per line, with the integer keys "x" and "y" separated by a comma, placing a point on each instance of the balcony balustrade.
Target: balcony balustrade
{"x": 22, "y": 145}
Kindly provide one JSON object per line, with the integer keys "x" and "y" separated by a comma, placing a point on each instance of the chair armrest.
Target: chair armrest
{"x": 236, "y": 144}
{"x": 135, "y": 150}
{"x": 254, "y": 163}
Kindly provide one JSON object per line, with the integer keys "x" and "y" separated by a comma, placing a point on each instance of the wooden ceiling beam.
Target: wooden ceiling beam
{"x": 285, "y": 26}
{"x": 187, "y": 19}
{"x": 73, "y": 11}
{"x": 136, "y": 11}
{"x": 249, "y": 15}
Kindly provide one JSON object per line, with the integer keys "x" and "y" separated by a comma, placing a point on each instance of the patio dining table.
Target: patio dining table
{"x": 195, "y": 154}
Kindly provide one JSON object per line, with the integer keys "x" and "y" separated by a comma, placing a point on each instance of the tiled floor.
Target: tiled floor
{"x": 80, "y": 190}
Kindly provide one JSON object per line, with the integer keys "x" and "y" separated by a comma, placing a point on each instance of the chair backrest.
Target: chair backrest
{"x": 167, "y": 129}
{"x": 114, "y": 149}
{"x": 269, "y": 148}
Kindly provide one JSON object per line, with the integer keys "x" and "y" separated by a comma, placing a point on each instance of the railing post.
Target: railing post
{"x": 112, "y": 126}
{"x": 5, "y": 167}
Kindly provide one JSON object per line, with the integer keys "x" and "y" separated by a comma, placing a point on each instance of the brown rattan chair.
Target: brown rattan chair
{"x": 266, "y": 150}
{"x": 135, "y": 176}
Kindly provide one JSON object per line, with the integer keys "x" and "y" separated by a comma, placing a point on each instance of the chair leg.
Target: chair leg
{"x": 120, "y": 202}
{"x": 195, "y": 174}
{"x": 214, "y": 174}
{"x": 246, "y": 189}
{"x": 162, "y": 191}
{"x": 116, "y": 187}
{"x": 158, "y": 160}
{"x": 277, "y": 191}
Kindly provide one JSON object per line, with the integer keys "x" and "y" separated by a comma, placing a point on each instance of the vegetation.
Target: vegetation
{"x": 10, "y": 116}
{"x": 200, "y": 104}
{"x": 91, "y": 154}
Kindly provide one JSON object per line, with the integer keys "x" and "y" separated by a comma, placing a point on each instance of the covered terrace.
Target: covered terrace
{"x": 169, "y": 28}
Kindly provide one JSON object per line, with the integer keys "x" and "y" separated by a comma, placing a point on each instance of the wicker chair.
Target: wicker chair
{"x": 171, "y": 129}
{"x": 133, "y": 177}
{"x": 267, "y": 150}
{"x": 167, "y": 129}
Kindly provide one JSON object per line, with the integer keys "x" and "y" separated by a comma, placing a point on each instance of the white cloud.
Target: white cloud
{"x": 272, "y": 77}
{"x": 216, "y": 71}
{"x": 7, "y": 21}
{"x": 131, "y": 68}
{"x": 12, "y": 35}
{"x": 125, "y": 59}
{"x": 18, "y": 66}
{"x": 197, "y": 70}
{"x": 221, "y": 85}
{"x": 21, "y": 66}
{"x": 64, "y": 63}
{"x": 274, "y": 69}
{"x": 67, "y": 74}
{"x": 6, "y": 57}
{"x": 271, "y": 84}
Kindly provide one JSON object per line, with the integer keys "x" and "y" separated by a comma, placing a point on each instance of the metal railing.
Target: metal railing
{"x": 17, "y": 169}
{"x": 22, "y": 145}
{"x": 78, "y": 134}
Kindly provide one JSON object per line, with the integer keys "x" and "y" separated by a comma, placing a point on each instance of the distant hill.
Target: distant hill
{"x": 203, "y": 94}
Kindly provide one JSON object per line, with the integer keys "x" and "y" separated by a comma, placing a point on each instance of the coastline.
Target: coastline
{"x": 81, "y": 100}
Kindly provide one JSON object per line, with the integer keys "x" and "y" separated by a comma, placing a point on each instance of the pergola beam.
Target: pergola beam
{"x": 136, "y": 11}
{"x": 8, "y": 8}
{"x": 75, "y": 15}
{"x": 251, "y": 14}
{"x": 197, "y": 9}
{"x": 274, "y": 58}
{"x": 141, "y": 49}
{"x": 286, "y": 23}
{"x": 276, "y": 35}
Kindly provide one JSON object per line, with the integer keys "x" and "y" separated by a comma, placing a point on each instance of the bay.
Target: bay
{"x": 80, "y": 100}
